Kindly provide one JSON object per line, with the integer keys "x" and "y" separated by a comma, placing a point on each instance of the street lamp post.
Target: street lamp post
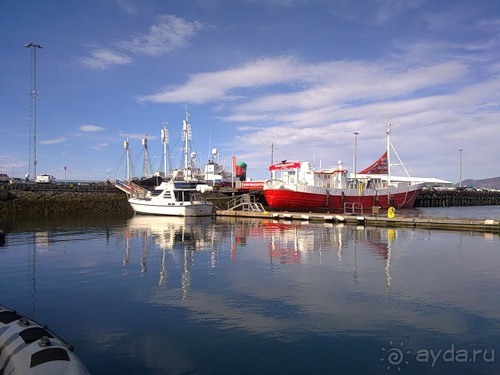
{"x": 355, "y": 152}
{"x": 460, "y": 166}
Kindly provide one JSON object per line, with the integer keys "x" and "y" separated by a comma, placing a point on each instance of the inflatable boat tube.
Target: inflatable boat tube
{"x": 27, "y": 347}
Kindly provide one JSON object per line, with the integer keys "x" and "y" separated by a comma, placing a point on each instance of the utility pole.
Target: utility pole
{"x": 460, "y": 166}
{"x": 355, "y": 152}
{"x": 34, "y": 97}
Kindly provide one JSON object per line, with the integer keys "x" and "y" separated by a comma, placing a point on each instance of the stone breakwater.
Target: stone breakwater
{"x": 18, "y": 202}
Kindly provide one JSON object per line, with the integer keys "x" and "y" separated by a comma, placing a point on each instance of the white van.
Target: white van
{"x": 45, "y": 179}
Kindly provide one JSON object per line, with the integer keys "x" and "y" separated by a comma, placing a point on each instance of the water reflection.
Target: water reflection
{"x": 175, "y": 295}
{"x": 178, "y": 236}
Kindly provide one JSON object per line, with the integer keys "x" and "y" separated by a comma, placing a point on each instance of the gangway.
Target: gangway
{"x": 131, "y": 189}
{"x": 245, "y": 202}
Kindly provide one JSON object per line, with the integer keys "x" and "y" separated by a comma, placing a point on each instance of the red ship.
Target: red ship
{"x": 304, "y": 189}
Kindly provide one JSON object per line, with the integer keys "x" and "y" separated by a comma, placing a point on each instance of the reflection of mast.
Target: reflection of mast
{"x": 144, "y": 258}
{"x": 33, "y": 278}
{"x": 391, "y": 235}
{"x": 186, "y": 277}
{"x": 127, "y": 256}
{"x": 163, "y": 269}
{"x": 355, "y": 272}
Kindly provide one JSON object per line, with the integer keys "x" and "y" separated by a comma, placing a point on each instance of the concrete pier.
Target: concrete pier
{"x": 490, "y": 225}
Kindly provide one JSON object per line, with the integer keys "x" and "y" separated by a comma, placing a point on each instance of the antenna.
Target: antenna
{"x": 272, "y": 155}
{"x": 34, "y": 97}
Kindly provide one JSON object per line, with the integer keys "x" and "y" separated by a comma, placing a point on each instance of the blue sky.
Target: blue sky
{"x": 306, "y": 73}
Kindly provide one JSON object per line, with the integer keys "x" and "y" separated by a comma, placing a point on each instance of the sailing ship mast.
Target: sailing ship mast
{"x": 389, "y": 147}
{"x": 164, "y": 140}
{"x": 388, "y": 152}
{"x": 146, "y": 156}
{"x": 127, "y": 151}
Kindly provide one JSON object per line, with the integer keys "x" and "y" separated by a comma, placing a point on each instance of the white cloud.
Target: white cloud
{"x": 91, "y": 128}
{"x": 169, "y": 33}
{"x": 104, "y": 59}
{"x": 213, "y": 86}
{"x": 333, "y": 83}
{"x": 53, "y": 141}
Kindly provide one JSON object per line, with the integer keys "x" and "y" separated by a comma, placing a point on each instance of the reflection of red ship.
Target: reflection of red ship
{"x": 285, "y": 255}
{"x": 283, "y": 244}
{"x": 302, "y": 188}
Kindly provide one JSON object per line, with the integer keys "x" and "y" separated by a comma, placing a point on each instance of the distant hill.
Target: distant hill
{"x": 489, "y": 183}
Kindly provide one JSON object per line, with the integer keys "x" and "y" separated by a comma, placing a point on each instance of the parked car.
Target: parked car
{"x": 4, "y": 178}
{"x": 16, "y": 180}
{"x": 45, "y": 179}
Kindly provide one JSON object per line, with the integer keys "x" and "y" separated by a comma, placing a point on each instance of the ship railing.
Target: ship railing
{"x": 245, "y": 202}
{"x": 353, "y": 208}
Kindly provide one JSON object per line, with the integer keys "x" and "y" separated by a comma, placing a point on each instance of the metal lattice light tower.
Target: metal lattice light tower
{"x": 34, "y": 97}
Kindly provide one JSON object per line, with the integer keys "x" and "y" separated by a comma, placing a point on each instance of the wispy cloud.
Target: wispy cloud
{"x": 100, "y": 146}
{"x": 91, "y": 128}
{"x": 213, "y": 86}
{"x": 308, "y": 85}
{"x": 126, "y": 6}
{"x": 105, "y": 58}
{"x": 53, "y": 141}
{"x": 167, "y": 34}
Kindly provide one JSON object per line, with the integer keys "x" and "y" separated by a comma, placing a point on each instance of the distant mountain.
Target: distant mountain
{"x": 489, "y": 183}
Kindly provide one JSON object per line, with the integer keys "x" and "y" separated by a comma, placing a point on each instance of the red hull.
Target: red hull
{"x": 288, "y": 200}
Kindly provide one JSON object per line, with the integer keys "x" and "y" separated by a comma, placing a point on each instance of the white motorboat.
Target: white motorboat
{"x": 181, "y": 195}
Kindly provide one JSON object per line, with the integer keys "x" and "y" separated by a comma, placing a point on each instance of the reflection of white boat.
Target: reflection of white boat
{"x": 181, "y": 195}
{"x": 174, "y": 235}
{"x": 168, "y": 231}
{"x": 30, "y": 348}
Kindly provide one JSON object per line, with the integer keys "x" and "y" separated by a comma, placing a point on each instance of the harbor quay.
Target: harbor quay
{"x": 375, "y": 220}
{"x": 92, "y": 200}
{"x": 14, "y": 203}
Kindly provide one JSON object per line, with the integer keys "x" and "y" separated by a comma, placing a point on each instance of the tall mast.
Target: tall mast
{"x": 186, "y": 136}
{"x": 34, "y": 97}
{"x": 272, "y": 157}
{"x": 164, "y": 140}
{"x": 146, "y": 156}
{"x": 125, "y": 145}
{"x": 388, "y": 152}
{"x": 389, "y": 147}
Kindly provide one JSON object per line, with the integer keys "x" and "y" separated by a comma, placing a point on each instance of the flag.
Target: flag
{"x": 379, "y": 167}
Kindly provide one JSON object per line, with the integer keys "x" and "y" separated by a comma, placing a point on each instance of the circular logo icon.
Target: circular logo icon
{"x": 395, "y": 356}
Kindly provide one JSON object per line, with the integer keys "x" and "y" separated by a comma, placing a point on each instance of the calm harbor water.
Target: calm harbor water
{"x": 153, "y": 295}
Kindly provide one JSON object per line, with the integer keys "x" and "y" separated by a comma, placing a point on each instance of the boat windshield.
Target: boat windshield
{"x": 183, "y": 195}
{"x": 185, "y": 185}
